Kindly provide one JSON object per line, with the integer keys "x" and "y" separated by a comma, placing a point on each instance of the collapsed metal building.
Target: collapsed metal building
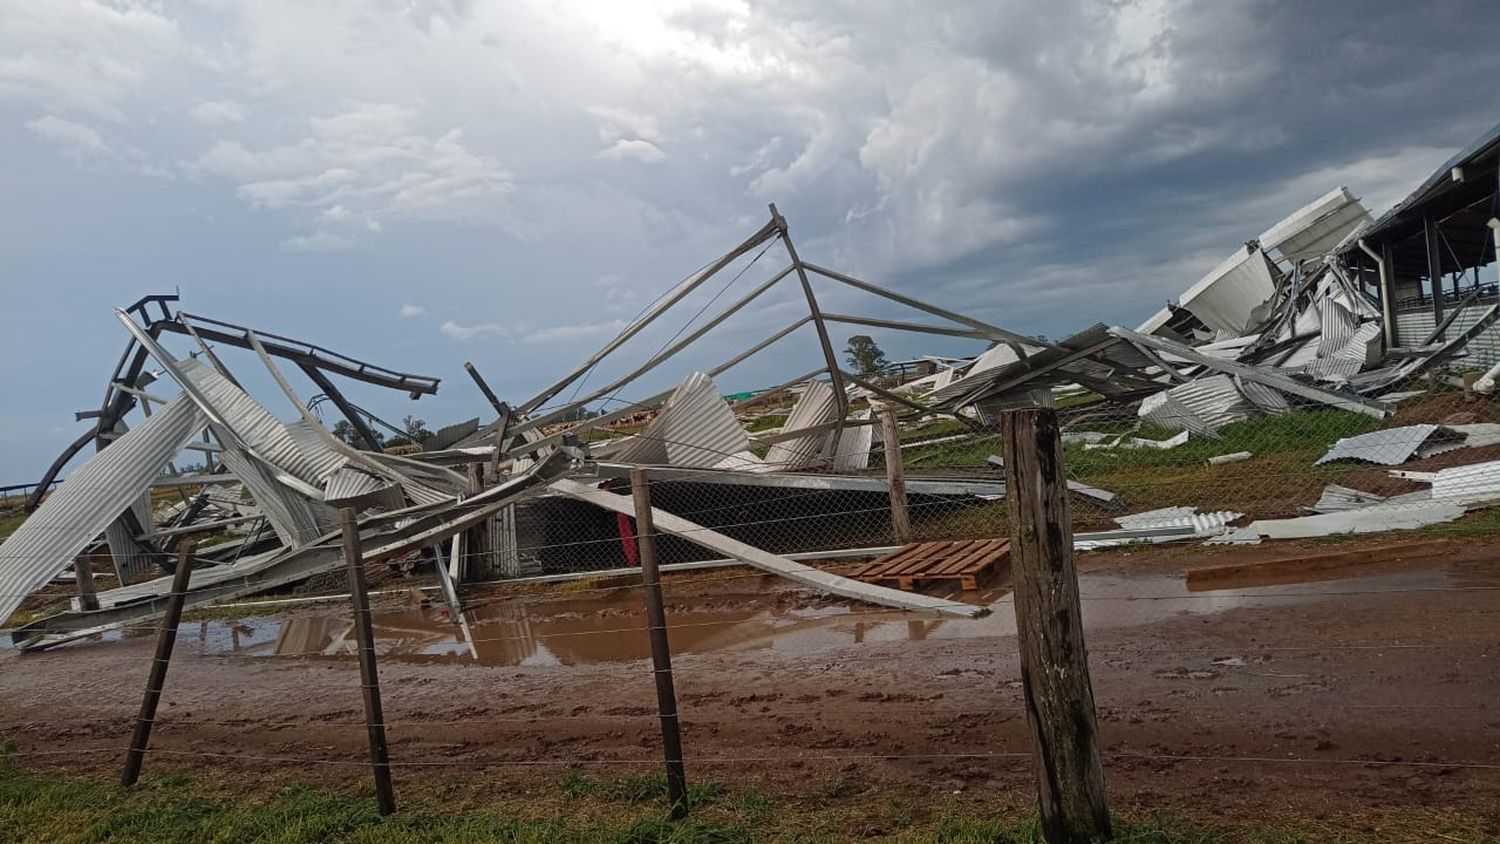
{"x": 1329, "y": 308}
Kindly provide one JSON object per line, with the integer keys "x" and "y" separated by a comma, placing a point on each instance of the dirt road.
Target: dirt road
{"x": 1372, "y": 688}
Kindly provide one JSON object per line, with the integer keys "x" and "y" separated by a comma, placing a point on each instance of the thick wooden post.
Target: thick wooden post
{"x": 661, "y": 654}
{"x": 1049, "y": 630}
{"x": 166, "y": 639}
{"x": 83, "y": 573}
{"x": 895, "y": 475}
{"x": 369, "y": 676}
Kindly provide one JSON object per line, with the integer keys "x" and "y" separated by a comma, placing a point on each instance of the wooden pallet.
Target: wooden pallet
{"x": 967, "y": 561}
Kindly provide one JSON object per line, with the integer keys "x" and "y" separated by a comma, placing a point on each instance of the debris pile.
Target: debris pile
{"x": 1323, "y": 311}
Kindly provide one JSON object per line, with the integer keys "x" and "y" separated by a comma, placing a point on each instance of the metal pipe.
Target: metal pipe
{"x": 766, "y": 232}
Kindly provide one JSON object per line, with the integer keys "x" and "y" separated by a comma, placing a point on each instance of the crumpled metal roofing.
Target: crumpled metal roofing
{"x": 1202, "y": 406}
{"x": 1389, "y": 447}
{"x": 1317, "y": 227}
{"x": 695, "y": 428}
{"x": 93, "y": 496}
{"x": 1223, "y": 299}
{"x": 815, "y": 407}
{"x": 1203, "y": 524}
{"x": 855, "y": 442}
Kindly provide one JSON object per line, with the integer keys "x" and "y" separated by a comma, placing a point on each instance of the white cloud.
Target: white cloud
{"x": 643, "y": 151}
{"x": 623, "y": 123}
{"x": 575, "y": 332}
{"x": 410, "y": 310}
{"x": 80, "y": 56}
{"x": 217, "y": 112}
{"x": 370, "y": 160}
{"x": 464, "y": 333}
{"x": 76, "y": 139}
{"x": 318, "y": 241}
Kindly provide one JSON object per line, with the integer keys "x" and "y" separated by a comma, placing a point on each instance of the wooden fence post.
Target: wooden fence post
{"x": 1049, "y": 630}
{"x": 369, "y": 676}
{"x": 895, "y": 475}
{"x": 166, "y": 639}
{"x": 661, "y": 654}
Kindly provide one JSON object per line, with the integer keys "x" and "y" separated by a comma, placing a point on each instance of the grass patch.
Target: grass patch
{"x": 630, "y": 810}
{"x": 10, "y": 521}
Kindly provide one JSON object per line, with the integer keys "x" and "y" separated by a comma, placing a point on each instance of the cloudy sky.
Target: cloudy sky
{"x": 424, "y": 182}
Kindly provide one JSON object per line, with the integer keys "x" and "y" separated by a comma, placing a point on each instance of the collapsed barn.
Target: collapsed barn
{"x": 1330, "y": 316}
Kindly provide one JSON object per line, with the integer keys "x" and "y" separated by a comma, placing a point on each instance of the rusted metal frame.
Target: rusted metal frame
{"x": 484, "y": 387}
{"x": 361, "y": 427}
{"x": 692, "y": 283}
{"x": 298, "y": 351}
{"x": 662, "y": 356}
{"x": 840, "y": 392}
{"x": 1170, "y": 370}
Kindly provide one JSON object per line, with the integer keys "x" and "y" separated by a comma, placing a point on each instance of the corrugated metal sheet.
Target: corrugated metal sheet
{"x": 350, "y": 483}
{"x": 1201, "y": 406}
{"x": 694, "y": 428}
{"x": 1203, "y": 524}
{"x": 1484, "y": 349}
{"x": 1390, "y": 447}
{"x": 1223, "y": 299}
{"x": 855, "y": 442}
{"x": 815, "y": 407}
{"x": 1337, "y": 328}
{"x": 1464, "y": 484}
{"x": 323, "y": 458}
{"x": 94, "y": 495}
{"x": 261, "y": 431}
{"x": 291, "y": 515}
{"x": 1413, "y": 327}
{"x": 447, "y": 436}
{"x": 1267, "y": 399}
{"x": 1317, "y": 227}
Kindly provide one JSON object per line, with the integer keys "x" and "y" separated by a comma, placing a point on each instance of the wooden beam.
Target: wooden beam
{"x": 1049, "y": 632}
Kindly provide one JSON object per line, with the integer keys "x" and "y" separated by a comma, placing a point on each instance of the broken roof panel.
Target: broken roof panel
{"x": 1313, "y": 230}
{"x": 1224, "y": 299}
{"x": 815, "y": 407}
{"x": 94, "y": 495}
{"x": 1390, "y": 447}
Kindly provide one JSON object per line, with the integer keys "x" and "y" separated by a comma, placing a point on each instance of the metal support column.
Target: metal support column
{"x": 1434, "y": 269}
{"x": 840, "y": 396}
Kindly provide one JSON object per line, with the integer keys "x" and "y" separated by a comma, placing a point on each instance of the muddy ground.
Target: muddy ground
{"x": 1371, "y": 688}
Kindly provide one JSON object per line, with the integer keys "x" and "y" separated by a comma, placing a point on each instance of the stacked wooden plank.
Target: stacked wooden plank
{"x": 967, "y": 561}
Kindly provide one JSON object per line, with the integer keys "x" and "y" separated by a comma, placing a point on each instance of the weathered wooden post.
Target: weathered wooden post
{"x": 895, "y": 475}
{"x": 166, "y": 639}
{"x": 369, "y": 676}
{"x": 83, "y": 575}
{"x": 1049, "y": 630}
{"x": 661, "y": 654}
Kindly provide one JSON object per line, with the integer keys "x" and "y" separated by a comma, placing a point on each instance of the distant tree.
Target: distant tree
{"x": 864, "y": 356}
{"x": 416, "y": 429}
{"x": 345, "y": 431}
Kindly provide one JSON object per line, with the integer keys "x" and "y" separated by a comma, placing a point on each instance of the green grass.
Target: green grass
{"x": 630, "y": 810}
{"x": 10, "y": 521}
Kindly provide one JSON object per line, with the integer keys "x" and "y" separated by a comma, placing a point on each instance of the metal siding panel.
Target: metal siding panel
{"x": 815, "y": 407}
{"x": 91, "y": 498}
